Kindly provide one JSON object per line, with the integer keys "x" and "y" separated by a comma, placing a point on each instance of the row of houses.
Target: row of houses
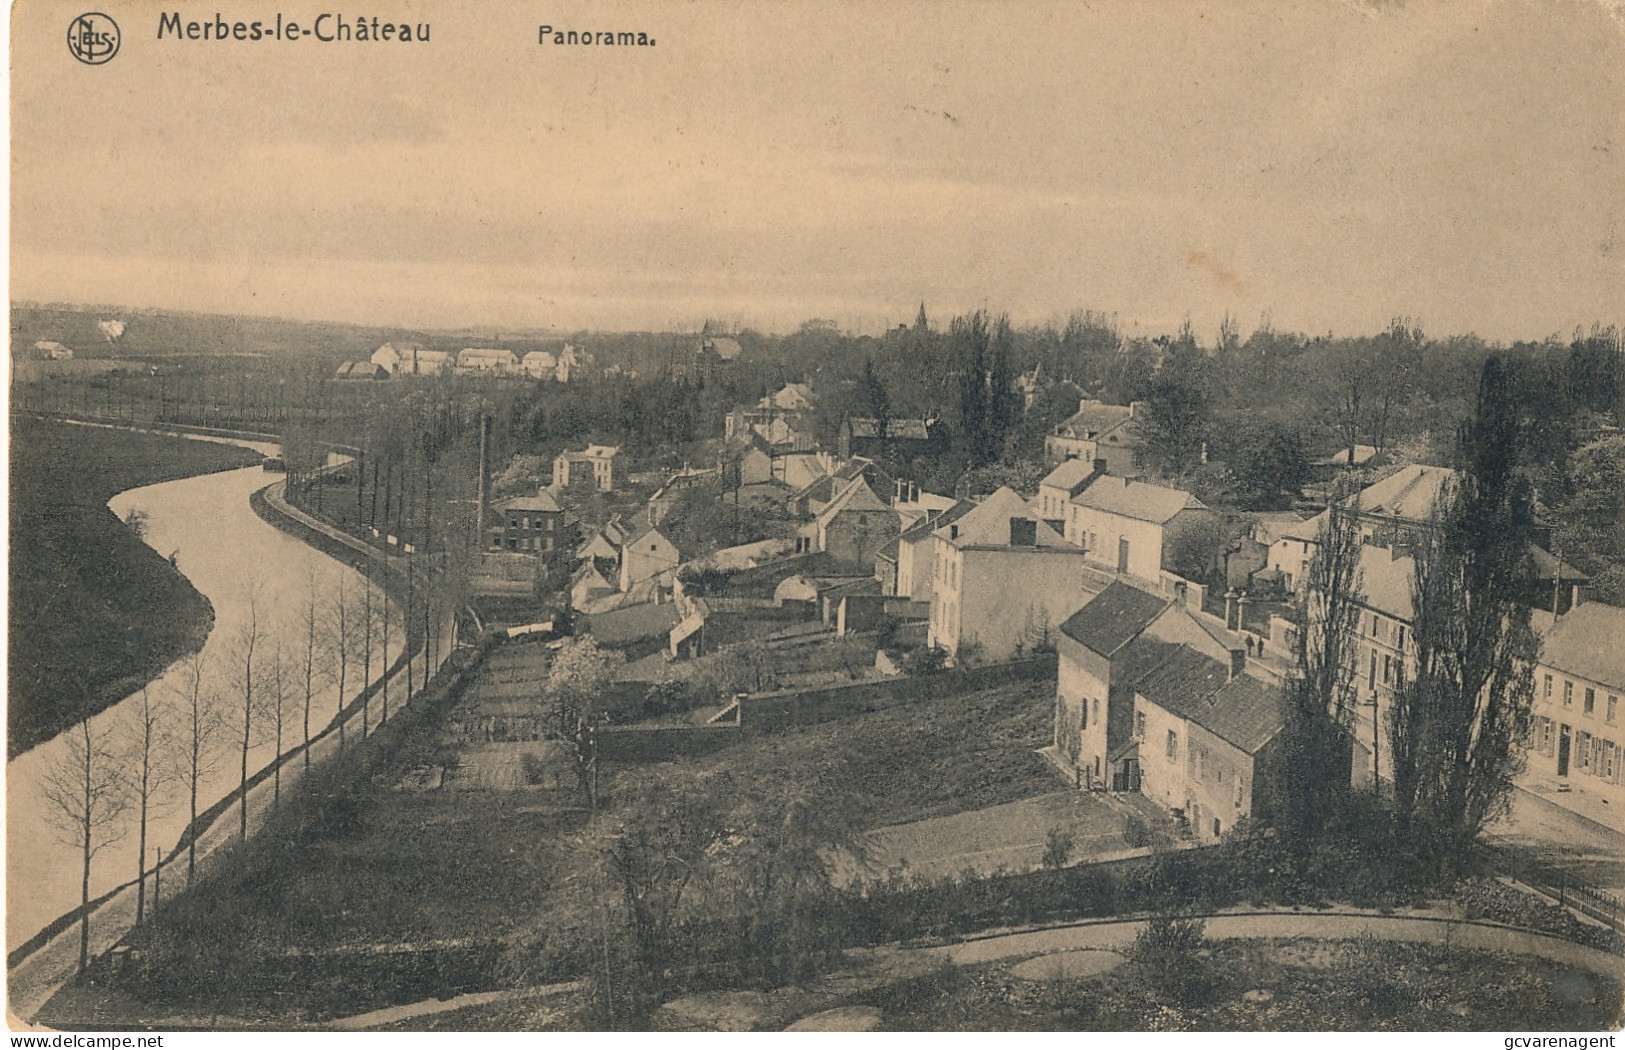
{"x": 411, "y": 359}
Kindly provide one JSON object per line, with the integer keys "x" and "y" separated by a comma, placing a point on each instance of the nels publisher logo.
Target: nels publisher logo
{"x": 93, "y": 38}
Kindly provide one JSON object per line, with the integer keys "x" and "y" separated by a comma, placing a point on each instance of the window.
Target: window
{"x": 1239, "y": 786}
{"x": 1583, "y": 750}
{"x": 1095, "y": 703}
{"x": 1083, "y": 721}
{"x": 1613, "y": 705}
{"x": 1547, "y": 688}
{"x": 1568, "y": 694}
{"x": 1609, "y": 760}
{"x": 1387, "y": 669}
{"x": 1139, "y": 725}
{"x": 1400, "y": 643}
{"x": 1173, "y": 743}
{"x": 1591, "y": 701}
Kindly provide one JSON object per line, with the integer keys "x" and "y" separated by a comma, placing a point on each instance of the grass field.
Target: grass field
{"x": 95, "y": 612}
{"x": 1277, "y": 985}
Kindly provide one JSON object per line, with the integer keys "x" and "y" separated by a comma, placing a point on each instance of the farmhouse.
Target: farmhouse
{"x": 1098, "y": 431}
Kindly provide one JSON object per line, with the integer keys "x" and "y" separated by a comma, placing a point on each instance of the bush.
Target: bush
{"x": 1170, "y": 955}
{"x": 1058, "y": 848}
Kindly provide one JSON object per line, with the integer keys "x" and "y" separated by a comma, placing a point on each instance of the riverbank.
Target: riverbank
{"x": 95, "y": 612}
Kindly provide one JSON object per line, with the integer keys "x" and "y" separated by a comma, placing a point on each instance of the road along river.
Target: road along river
{"x": 245, "y": 567}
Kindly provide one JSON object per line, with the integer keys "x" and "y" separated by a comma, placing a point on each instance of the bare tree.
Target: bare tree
{"x": 274, "y": 693}
{"x": 245, "y": 673}
{"x": 316, "y": 654}
{"x": 149, "y": 780}
{"x": 85, "y": 796}
{"x": 340, "y": 630}
{"x": 196, "y": 742}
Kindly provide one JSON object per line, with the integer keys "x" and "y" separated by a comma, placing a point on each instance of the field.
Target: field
{"x": 95, "y": 612}
{"x": 373, "y": 862}
{"x": 1275, "y": 985}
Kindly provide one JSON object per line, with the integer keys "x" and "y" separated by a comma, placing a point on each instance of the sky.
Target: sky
{"x": 1328, "y": 163}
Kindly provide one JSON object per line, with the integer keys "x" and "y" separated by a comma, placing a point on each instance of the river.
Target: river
{"x": 240, "y": 563}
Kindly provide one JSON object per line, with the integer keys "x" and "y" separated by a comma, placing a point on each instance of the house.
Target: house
{"x": 591, "y": 582}
{"x": 1098, "y": 431}
{"x": 362, "y": 370}
{"x": 724, "y": 347}
{"x": 482, "y": 359}
{"x": 864, "y": 437}
{"x": 605, "y": 543}
{"x": 1209, "y": 739}
{"x": 401, "y": 358}
{"x": 648, "y": 555}
{"x": 915, "y": 564}
{"x": 539, "y": 364}
{"x": 1134, "y": 527}
{"x": 1071, "y": 477}
{"x": 749, "y": 462}
{"x": 52, "y": 350}
{"x": 1576, "y": 735}
{"x": 1393, "y": 513}
{"x": 528, "y": 524}
{"x": 1103, "y": 650}
{"x": 570, "y": 358}
{"x": 914, "y": 505}
{"x": 596, "y": 462}
{"x": 854, "y": 525}
{"x": 782, "y": 418}
{"x": 1002, "y": 580}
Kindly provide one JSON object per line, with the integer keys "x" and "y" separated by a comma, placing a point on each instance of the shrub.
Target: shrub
{"x": 1058, "y": 848}
{"x": 1168, "y": 954}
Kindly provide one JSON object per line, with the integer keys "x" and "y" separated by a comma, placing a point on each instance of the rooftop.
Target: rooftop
{"x": 1140, "y": 500}
{"x": 988, "y": 523}
{"x": 542, "y": 501}
{"x": 1070, "y": 475}
{"x": 1409, "y": 493}
{"x": 1094, "y": 418}
{"x": 1588, "y": 642}
{"x": 1247, "y": 712}
{"x": 1114, "y": 618}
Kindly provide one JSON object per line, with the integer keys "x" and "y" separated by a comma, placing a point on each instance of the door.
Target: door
{"x": 1122, "y": 554}
{"x": 1563, "y": 753}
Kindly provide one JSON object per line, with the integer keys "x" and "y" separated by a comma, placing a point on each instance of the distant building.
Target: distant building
{"x": 484, "y": 359}
{"x": 647, "y": 555}
{"x": 570, "y": 358}
{"x": 53, "y": 351}
{"x": 539, "y": 364}
{"x": 528, "y": 525}
{"x": 863, "y": 437}
{"x": 361, "y": 370}
{"x": 1003, "y": 580}
{"x": 783, "y": 419}
{"x": 1098, "y": 431}
{"x": 724, "y": 347}
{"x": 596, "y": 462}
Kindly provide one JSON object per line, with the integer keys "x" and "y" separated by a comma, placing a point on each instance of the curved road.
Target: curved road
{"x": 235, "y": 559}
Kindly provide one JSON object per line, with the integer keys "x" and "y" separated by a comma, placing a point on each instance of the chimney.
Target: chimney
{"x": 1023, "y": 532}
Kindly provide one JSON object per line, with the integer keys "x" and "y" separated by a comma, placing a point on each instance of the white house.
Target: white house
{"x": 647, "y": 555}
{"x": 484, "y": 359}
{"x": 1003, "y": 580}
{"x": 1131, "y": 526}
{"x": 596, "y": 461}
{"x": 539, "y": 364}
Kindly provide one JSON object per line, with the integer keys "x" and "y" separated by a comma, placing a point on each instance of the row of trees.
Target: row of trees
{"x": 160, "y": 750}
{"x": 1461, "y": 706}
